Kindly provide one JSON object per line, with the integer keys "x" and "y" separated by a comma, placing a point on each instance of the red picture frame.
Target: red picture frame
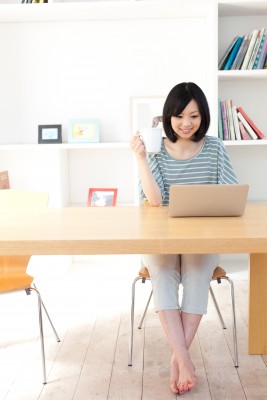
{"x": 102, "y": 197}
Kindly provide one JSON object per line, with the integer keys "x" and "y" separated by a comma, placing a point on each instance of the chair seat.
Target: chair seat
{"x": 14, "y": 281}
{"x": 218, "y": 273}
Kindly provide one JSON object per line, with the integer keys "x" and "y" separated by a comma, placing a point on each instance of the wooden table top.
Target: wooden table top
{"x": 129, "y": 230}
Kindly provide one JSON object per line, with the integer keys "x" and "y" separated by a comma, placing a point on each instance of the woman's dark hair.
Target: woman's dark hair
{"x": 176, "y": 101}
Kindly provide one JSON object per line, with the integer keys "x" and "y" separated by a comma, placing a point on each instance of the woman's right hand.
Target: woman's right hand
{"x": 137, "y": 146}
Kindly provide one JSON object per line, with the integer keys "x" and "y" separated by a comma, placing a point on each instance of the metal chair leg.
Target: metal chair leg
{"x": 236, "y": 361}
{"x": 217, "y": 308}
{"x": 130, "y": 350}
{"x": 48, "y": 317}
{"x": 40, "y": 305}
{"x": 145, "y": 311}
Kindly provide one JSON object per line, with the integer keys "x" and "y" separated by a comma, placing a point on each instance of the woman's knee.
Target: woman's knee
{"x": 161, "y": 262}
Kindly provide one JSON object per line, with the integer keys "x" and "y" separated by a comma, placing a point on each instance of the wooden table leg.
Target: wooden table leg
{"x": 257, "y": 329}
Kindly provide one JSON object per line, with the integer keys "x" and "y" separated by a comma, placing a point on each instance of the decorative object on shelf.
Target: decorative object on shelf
{"x": 144, "y": 111}
{"x": 102, "y": 197}
{"x": 49, "y": 134}
{"x": 246, "y": 52}
{"x": 4, "y": 180}
{"x": 235, "y": 124}
{"x": 83, "y": 131}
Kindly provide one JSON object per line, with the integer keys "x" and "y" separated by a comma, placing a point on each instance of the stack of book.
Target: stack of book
{"x": 235, "y": 124}
{"x": 33, "y": 1}
{"x": 246, "y": 52}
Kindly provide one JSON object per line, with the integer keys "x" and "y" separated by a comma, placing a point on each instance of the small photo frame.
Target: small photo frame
{"x": 83, "y": 131}
{"x": 102, "y": 197}
{"x": 4, "y": 180}
{"x": 49, "y": 134}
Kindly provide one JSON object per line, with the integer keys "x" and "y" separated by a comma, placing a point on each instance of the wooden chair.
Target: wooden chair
{"x": 218, "y": 275}
{"x": 13, "y": 275}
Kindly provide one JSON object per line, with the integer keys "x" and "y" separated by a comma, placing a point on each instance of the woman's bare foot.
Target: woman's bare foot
{"x": 174, "y": 375}
{"x": 187, "y": 377}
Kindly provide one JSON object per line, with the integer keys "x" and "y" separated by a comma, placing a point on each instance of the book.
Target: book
{"x": 255, "y": 66}
{"x": 220, "y": 124}
{"x": 233, "y": 53}
{"x": 236, "y": 123}
{"x": 248, "y": 128}
{"x": 253, "y": 37}
{"x": 244, "y": 38}
{"x": 231, "y": 128}
{"x": 250, "y": 122}
{"x": 226, "y": 54}
{"x": 255, "y": 49}
{"x": 224, "y": 121}
{"x": 243, "y": 51}
{"x": 263, "y": 54}
{"x": 4, "y": 180}
{"x": 243, "y": 132}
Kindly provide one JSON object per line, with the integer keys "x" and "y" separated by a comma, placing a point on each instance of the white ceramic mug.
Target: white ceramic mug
{"x": 152, "y": 138}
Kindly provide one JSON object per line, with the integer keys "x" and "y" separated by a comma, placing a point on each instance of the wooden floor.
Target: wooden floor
{"x": 89, "y": 306}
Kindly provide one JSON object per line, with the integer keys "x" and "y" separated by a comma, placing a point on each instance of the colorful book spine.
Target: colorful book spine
{"x": 236, "y": 124}
{"x": 250, "y": 131}
{"x": 243, "y": 52}
{"x": 226, "y": 54}
{"x": 239, "y": 53}
{"x": 220, "y": 124}
{"x": 263, "y": 54}
{"x": 243, "y": 132}
{"x": 253, "y": 36}
{"x": 251, "y": 123}
{"x": 224, "y": 120}
{"x": 231, "y": 128}
{"x": 255, "y": 49}
{"x": 233, "y": 53}
{"x": 255, "y": 65}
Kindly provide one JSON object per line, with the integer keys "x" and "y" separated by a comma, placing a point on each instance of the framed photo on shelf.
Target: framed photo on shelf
{"x": 146, "y": 112}
{"x": 4, "y": 180}
{"x": 83, "y": 131}
{"x": 49, "y": 134}
{"x": 102, "y": 197}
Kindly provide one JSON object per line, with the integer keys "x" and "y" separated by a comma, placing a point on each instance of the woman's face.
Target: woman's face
{"x": 188, "y": 122}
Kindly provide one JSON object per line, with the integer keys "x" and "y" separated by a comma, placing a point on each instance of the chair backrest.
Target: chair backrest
{"x": 18, "y": 198}
{"x": 13, "y": 268}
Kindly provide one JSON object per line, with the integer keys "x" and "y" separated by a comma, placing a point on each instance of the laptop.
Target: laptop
{"x": 208, "y": 200}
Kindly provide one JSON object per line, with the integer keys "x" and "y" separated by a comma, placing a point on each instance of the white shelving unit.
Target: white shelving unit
{"x": 247, "y": 88}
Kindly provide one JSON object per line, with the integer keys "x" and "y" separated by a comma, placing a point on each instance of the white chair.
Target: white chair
{"x": 218, "y": 275}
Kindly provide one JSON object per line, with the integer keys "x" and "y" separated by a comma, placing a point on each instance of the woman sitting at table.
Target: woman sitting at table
{"x": 187, "y": 156}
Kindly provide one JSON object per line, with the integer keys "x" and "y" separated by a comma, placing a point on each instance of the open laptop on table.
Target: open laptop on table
{"x": 208, "y": 200}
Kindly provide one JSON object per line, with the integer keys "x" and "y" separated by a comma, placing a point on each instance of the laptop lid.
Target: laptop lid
{"x": 208, "y": 200}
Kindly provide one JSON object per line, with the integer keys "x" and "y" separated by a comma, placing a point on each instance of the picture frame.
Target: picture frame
{"x": 83, "y": 131}
{"x": 104, "y": 197}
{"x": 4, "y": 180}
{"x": 49, "y": 134}
{"x": 144, "y": 110}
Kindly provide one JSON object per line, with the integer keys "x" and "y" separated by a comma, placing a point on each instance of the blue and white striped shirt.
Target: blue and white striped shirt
{"x": 210, "y": 166}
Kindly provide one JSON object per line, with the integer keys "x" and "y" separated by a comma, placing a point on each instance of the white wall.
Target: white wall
{"x": 55, "y": 71}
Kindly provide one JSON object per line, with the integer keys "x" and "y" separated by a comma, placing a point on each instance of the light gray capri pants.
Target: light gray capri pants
{"x": 192, "y": 271}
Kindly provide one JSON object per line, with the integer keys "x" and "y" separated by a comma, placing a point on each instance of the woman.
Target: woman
{"x": 187, "y": 156}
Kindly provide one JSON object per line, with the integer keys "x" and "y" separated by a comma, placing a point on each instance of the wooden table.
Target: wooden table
{"x": 137, "y": 230}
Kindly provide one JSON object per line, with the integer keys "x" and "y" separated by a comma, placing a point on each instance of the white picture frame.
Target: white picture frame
{"x": 143, "y": 110}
